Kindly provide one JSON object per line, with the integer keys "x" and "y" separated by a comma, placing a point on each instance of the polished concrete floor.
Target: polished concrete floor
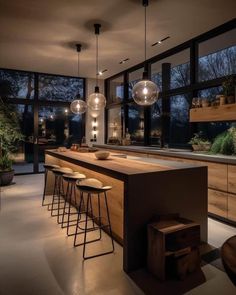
{"x": 36, "y": 257}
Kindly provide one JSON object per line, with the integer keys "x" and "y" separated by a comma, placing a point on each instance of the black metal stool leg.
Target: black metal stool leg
{"x": 64, "y": 208}
{"x": 45, "y": 184}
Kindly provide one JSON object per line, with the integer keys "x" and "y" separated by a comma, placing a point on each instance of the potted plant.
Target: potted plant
{"x": 229, "y": 89}
{"x": 10, "y": 135}
{"x": 199, "y": 143}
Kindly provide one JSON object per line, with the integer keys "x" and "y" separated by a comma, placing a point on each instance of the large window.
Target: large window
{"x": 115, "y": 117}
{"x": 16, "y": 84}
{"x": 179, "y": 120}
{"x": 59, "y": 88}
{"x": 155, "y": 132}
{"x": 56, "y": 125}
{"x": 217, "y": 56}
{"x": 24, "y": 155}
{"x": 196, "y": 69}
{"x": 133, "y": 78}
{"x": 136, "y": 124}
{"x": 116, "y": 90}
{"x": 179, "y": 70}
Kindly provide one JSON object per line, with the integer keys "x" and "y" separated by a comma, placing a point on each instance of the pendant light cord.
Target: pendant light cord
{"x": 78, "y": 64}
{"x": 96, "y": 59}
{"x": 145, "y": 33}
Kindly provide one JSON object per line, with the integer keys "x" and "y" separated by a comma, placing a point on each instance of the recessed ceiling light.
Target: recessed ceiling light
{"x": 100, "y": 73}
{"x": 123, "y": 61}
{"x": 160, "y": 41}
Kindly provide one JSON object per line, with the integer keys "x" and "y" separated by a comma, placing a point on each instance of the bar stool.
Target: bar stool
{"x": 58, "y": 191}
{"x": 48, "y": 168}
{"x": 91, "y": 187}
{"x": 71, "y": 179}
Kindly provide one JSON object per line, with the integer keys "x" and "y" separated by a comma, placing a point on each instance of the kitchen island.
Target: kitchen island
{"x": 142, "y": 188}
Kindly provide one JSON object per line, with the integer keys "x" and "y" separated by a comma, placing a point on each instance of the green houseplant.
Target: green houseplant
{"x": 10, "y": 135}
{"x": 199, "y": 143}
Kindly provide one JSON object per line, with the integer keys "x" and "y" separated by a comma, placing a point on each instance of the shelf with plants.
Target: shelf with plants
{"x": 226, "y": 112}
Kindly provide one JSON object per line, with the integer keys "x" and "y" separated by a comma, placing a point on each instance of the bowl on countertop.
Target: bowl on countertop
{"x": 102, "y": 155}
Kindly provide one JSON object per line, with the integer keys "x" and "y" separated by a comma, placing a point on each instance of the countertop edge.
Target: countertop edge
{"x": 181, "y": 154}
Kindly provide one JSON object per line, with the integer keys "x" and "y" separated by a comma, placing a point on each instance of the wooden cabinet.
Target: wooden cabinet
{"x": 217, "y": 203}
{"x": 232, "y": 179}
{"x": 232, "y": 207}
{"x": 217, "y": 175}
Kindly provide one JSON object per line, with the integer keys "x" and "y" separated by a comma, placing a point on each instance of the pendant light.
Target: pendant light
{"x": 78, "y": 106}
{"x": 145, "y": 92}
{"x": 96, "y": 100}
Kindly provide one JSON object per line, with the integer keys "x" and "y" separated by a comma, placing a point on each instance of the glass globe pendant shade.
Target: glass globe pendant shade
{"x": 96, "y": 100}
{"x": 78, "y": 106}
{"x": 145, "y": 92}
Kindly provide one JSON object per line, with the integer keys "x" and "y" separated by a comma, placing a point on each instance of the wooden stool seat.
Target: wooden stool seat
{"x": 51, "y": 166}
{"x": 73, "y": 176}
{"x": 92, "y": 186}
{"x": 62, "y": 170}
{"x": 228, "y": 255}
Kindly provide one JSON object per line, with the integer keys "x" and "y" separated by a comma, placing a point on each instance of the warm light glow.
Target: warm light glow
{"x": 145, "y": 91}
{"x": 78, "y": 106}
{"x": 66, "y": 111}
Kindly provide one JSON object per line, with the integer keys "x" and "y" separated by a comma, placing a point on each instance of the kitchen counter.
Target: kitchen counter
{"x": 172, "y": 152}
{"x": 141, "y": 189}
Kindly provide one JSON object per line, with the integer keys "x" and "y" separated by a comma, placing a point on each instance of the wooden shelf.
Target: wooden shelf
{"x": 225, "y": 112}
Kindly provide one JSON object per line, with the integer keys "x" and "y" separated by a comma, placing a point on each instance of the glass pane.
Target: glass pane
{"x": 24, "y": 156}
{"x": 58, "y": 127}
{"x": 210, "y": 130}
{"x": 133, "y": 78}
{"x": 116, "y": 90}
{"x": 115, "y": 116}
{"x": 217, "y": 56}
{"x": 136, "y": 124}
{"x": 179, "y": 119}
{"x": 179, "y": 72}
{"x": 59, "y": 88}
{"x": 15, "y": 84}
{"x": 210, "y": 94}
{"x": 155, "y": 134}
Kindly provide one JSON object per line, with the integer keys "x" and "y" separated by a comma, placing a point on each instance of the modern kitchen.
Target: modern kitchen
{"x": 118, "y": 147}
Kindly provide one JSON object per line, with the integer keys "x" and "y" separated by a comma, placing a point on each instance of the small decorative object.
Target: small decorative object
{"x": 229, "y": 89}
{"x": 61, "y": 149}
{"x": 221, "y": 98}
{"x": 102, "y": 155}
{"x": 205, "y": 102}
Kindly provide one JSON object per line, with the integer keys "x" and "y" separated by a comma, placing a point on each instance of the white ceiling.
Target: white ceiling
{"x": 40, "y": 35}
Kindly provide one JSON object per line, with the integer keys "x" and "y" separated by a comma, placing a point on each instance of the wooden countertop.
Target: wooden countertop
{"x": 116, "y": 164}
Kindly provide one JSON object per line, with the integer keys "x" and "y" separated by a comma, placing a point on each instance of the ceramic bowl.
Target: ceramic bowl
{"x": 102, "y": 155}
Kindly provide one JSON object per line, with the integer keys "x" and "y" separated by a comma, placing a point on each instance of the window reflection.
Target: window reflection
{"x": 115, "y": 116}
{"x": 116, "y": 90}
{"x": 136, "y": 124}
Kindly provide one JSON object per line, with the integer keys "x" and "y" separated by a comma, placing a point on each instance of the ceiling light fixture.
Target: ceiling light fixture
{"x": 78, "y": 106}
{"x": 145, "y": 92}
{"x": 96, "y": 100}
{"x": 160, "y": 41}
{"x": 100, "y": 73}
{"x": 123, "y": 61}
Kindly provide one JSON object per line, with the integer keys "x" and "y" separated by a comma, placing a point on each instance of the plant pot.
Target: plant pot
{"x": 6, "y": 177}
{"x": 196, "y": 147}
{"x": 230, "y": 99}
{"x": 206, "y": 147}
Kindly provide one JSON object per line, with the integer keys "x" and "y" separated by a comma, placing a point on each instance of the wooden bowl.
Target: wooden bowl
{"x": 102, "y": 155}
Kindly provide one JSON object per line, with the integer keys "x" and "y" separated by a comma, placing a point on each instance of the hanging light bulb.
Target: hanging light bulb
{"x": 145, "y": 92}
{"x": 78, "y": 106}
{"x": 96, "y": 100}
